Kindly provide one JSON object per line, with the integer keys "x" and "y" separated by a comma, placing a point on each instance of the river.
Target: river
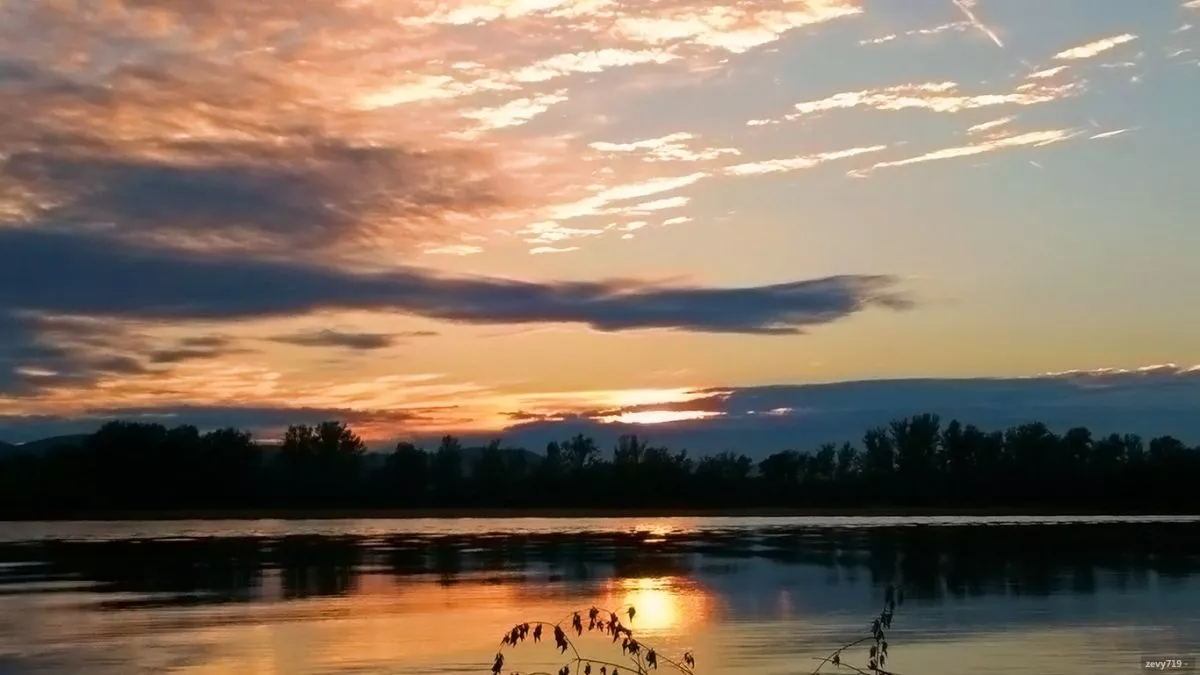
{"x": 746, "y": 596}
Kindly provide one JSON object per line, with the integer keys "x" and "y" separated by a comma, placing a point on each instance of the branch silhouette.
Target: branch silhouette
{"x": 877, "y": 655}
{"x": 642, "y": 657}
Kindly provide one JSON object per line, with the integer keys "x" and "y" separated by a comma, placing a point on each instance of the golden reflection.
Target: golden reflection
{"x": 420, "y": 624}
{"x": 663, "y": 604}
{"x": 655, "y": 529}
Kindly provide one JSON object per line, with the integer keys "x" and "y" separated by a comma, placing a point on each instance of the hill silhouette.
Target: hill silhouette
{"x": 912, "y": 462}
{"x": 52, "y": 443}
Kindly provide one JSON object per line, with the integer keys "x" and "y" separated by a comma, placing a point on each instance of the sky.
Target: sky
{"x": 765, "y": 222}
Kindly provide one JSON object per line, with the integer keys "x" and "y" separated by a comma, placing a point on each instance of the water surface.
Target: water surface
{"x": 753, "y": 596}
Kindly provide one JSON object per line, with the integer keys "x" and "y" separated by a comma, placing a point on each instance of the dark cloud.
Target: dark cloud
{"x": 73, "y": 274}
{"x": 755, "y": 420}
{"x": 182, "y": 355}
{"x": 205, "y": 341}
{"x": 196, "y": 349}
{"x": 348, "y": 340}
{"x": 297, "y": 195}
{"x": 38, "y": 352}
{"x": 761, "y": 420}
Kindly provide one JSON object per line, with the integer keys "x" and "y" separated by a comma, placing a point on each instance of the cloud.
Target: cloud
{"x": 601, "y": 201}
{"x": 796, "y": 163}
{"x": 958, "y": 26}
{"x": 941, "y": 97}
{"x": 41, "y": 351}
{"x": 1096, "y": 48}
{"x": 454, "y": 249}
{"x": 548, "y": 232}
{"x": 990, "y": 125}
{"x": 513, "y": 113}
{"x": 348, "y": 339}
{"x": 1110, "y": 134}
{"x": 672, "y": 147}
{"x": 879, "y": 40}
{"x": 327, "y": 128}
{"x": 1149, "y": 401}
{"x": 196, "y": 349}
{"x": 303, "y": 195}
{"x": 1027, "y": 139}
{"x": 565, "y": 64}
{"x": 760, "y": 420}
{"x": 185, "y": 146}
{"x": 1046, "y": 73}
{"x": 77, "y": 275}
{"x": 735, "y": 28}
{"x": 38, "y": 351}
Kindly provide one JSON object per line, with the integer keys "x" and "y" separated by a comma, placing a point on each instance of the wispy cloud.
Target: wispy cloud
{"x": 796, "y": 163}
{"x": 879, "y": 40}
{"x": 1093, "y": 49}
{"x": 941, "y": 97}
{"x": 1046, "y": 73}
{"x": 513, "y": 113}
{"x": 1110, "y": 134}
{"x": 990, "y": 125}
{"x": 669, "y": 148}
{"x": 734, "y": 28}
{"x": 454, "y": 249}
{"x": 1028, "y": 139}
{"x": 601, "y": 201}
{"x": 957, "y": 26}
{"x": 562, "y": 65}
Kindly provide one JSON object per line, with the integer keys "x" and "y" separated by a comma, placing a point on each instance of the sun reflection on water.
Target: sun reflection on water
{"x": 663, "y": 604}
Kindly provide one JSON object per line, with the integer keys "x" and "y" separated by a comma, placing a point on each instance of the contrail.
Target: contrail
{"x": 965, "y": 6}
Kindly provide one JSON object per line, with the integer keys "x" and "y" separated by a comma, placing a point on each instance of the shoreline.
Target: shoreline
{"x": 570, "y": 513}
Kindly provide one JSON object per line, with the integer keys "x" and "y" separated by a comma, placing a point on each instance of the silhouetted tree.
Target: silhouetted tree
{"x": 448, "y": 475}
{"x": 408, "y": 476}
{"x": 910, "y": 462}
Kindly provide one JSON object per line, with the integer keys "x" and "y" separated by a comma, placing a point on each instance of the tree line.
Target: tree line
{"x": 911, "y": 462}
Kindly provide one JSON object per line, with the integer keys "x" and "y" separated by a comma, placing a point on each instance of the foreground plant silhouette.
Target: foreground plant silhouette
{"x": 642, "y": 657}
{"x": 877, "y": 654}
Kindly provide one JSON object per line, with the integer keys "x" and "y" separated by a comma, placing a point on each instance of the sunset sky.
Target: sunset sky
{"x": 764, "y": 218}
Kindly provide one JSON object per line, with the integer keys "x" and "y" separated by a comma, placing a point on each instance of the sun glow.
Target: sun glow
{"x": 659, "y": 416}
{"x": 662, "y": 603}
{"x": 657, "y": 607}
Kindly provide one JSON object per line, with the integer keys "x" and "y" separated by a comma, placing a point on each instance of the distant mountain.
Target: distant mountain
{"x": 6, "y": 448}
{"x": 53, "y": 443}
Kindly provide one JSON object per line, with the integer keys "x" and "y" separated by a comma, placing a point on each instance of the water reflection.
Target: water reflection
{"x": 752, "y": 599}
{"x": 934, "y": 562}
